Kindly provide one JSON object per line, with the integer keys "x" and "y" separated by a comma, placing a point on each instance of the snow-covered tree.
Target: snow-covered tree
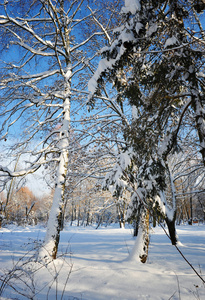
{"x": 157, "y": 62}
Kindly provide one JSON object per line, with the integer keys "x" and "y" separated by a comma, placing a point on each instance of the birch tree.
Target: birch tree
{"x": 43, "y": 60}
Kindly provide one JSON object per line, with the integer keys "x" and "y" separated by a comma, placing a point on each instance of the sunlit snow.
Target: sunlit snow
{"x": 99, "y": 267}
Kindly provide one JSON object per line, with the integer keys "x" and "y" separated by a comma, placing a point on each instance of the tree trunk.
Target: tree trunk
{"x": 144, "y": 255}
{"x": 88, "y": 219}
{"x": 197, "y": 105}
{"x": 140, "y": 249}
{"x": 137, "y": 219}
{"x": 171, "y": 221}
{"x": 172, "y": 229}
{"x": 72, "y": 213}
{"x": 1, "y": 216}
{"x": 99, "y": 222}
{"x": 78, "y": 215}
{"x": 200, "y": 123}
{"x": 121, "y": 216}
{"x": 56, "y": 214}
{"x": 55, "y": 221}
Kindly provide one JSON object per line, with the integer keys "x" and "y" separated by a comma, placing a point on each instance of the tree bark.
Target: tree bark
{"x": 144, "y": 256}
{"x": 172, "y": 229}
{"x": 55, "y": 220}
{"x": 200, "y": 122}
{"x": 140, "y": 250}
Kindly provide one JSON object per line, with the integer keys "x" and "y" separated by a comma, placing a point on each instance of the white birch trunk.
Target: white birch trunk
{"x": 55, "y": 220}
{"x": 52, "y": 238}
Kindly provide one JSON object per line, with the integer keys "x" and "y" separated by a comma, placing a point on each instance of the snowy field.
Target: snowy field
{"x": 92, "y": 265}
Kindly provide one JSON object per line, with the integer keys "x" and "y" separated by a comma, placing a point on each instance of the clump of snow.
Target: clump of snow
{"x": 119, "y": 29}
{"x": 114, "y": 179}
{"x": 131, "y": 6}
{"x": 104, "y": 64}
{"x": 125, "y": 159}
{"x": 134, "y": 112}
{"x": 68, "y": 72}
{"x": 126, "y": 36}
{"x": 171, "y": 41}
{"x": 201, "y": 74}
{"x": 49, "y": 43}
{"x": 191, "y": 69}
{"x": 107, "y": 64}
{"x": 138, "y": 27}
{"x": 137, "y": 249}
{"x": 152, "y": 29}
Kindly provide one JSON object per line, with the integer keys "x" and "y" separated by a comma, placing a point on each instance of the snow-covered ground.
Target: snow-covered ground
{"x": 94, "y": 266}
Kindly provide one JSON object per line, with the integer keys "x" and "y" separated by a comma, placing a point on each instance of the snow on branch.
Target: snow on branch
{"x": 115, "y": 51}
{"x": 131, "y": 6}
{"x": 20, "y": 173}
{"x": 115, "y": 178}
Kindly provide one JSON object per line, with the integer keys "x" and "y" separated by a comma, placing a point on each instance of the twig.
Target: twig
{"x": 183, "y": 255}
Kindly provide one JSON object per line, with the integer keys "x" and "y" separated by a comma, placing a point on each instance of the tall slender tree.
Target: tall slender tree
{"x": 156, "y": 62}
{"x": 43, "y": 58}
